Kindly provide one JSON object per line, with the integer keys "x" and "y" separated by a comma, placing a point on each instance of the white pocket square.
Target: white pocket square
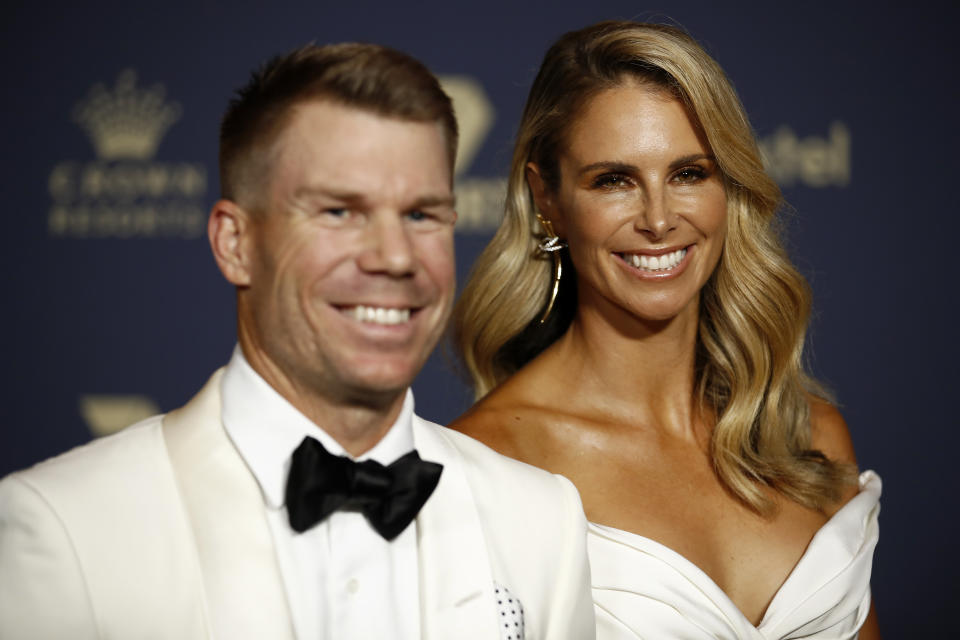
{"x": 509, "y": 613}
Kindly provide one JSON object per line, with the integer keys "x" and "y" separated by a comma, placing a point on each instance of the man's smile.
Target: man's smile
{"x": 378, "y": 315}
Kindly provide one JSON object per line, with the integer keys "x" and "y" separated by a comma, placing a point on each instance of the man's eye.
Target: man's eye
{"x": 336, "y": 213}
{"x": 431, "y": 219}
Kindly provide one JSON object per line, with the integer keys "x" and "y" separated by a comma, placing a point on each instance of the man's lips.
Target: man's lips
{"x": 390, "y": 315}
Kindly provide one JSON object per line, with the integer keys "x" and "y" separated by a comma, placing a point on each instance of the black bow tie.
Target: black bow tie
{"x": 389, "y": 497}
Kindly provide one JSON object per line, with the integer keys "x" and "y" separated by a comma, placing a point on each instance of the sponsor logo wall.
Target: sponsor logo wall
{"x": 115, "y": 310}
{"x": 125, "y": 192}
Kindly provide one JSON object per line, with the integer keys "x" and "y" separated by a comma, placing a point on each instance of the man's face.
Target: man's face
{"x": 351, "y": 270}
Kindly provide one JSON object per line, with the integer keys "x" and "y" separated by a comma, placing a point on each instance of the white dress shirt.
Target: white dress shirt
{"x": 342, "y": 579}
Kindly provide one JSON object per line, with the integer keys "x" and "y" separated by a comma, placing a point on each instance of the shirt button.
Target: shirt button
{"x": 353, "y": 586}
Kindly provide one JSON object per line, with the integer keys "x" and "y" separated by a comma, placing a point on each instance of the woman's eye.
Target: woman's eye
{"x": 690, "y": 174}
{"x": 610, "y": 180}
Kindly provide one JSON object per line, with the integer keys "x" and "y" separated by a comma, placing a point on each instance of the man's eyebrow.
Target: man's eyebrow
{"x": 439, "y": 200}
{"x": 353, "y": 197}
{"x": 328, "y": 192}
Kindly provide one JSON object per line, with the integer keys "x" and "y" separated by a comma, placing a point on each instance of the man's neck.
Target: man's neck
{"x": 356, "y": 418}
{"x": 357, "y": 426}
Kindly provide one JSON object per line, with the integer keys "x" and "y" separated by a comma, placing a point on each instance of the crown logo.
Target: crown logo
{"x": 126, "y": 122}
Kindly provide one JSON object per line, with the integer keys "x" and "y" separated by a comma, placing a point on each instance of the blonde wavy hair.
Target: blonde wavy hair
{"x": 754, "y": 309}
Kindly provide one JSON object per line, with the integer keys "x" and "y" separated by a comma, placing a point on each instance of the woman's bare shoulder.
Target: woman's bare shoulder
{"x": 830, "y": 436}
{"x": 483, "y": 421}
{"x": 829, "y": 432}
{"x": 495, "y": 421}
{"x": 514, "y": 420}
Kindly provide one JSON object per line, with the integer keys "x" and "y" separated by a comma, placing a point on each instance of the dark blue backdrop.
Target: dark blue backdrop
{"x": 115, "y": 306}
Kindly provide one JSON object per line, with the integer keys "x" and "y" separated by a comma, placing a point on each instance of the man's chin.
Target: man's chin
{"x": 378, "y": 381}
{"x": 374, "y": 394}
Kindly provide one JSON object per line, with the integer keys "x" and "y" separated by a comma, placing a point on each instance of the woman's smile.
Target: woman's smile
{"x": 640, "y": 203}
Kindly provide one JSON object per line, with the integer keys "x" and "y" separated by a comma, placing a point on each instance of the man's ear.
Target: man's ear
{"x": 229, "y": 232}
{"x": 543, "y": 198}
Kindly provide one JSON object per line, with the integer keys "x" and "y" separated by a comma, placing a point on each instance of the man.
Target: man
{"x": 242, "y": 515}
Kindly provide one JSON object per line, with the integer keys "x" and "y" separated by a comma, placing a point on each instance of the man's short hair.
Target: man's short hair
{"x": 378, "y": 79}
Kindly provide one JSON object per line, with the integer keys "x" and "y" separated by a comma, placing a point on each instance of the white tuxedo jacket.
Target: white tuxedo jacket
{"x": 160, "y": 531}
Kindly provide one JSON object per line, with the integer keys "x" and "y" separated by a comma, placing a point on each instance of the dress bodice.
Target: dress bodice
{"x": 643, "y": 589}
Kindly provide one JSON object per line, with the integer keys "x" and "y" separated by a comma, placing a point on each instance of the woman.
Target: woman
{"x": 636, "y": 326}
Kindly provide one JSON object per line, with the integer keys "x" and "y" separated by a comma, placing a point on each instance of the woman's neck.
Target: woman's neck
{"x": 630, "y": 370}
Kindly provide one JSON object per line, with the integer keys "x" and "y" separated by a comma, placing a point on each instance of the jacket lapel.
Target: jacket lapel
{"x": 244, "y": 589}
{"x": 456, "y": 582}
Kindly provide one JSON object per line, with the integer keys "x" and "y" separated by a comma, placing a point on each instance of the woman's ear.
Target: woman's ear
{"x": 229, "y": 231}
{"x": 543, "y": 197}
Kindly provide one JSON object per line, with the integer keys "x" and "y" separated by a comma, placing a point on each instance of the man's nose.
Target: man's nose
{"x": 389, "y": 248}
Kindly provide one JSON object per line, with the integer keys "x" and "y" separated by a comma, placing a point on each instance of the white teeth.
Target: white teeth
{"x": 657, "y": 263}
{"x": 380, "y": 315}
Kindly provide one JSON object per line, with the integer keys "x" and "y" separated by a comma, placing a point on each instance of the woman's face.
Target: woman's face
{"x": 640, "y": 202}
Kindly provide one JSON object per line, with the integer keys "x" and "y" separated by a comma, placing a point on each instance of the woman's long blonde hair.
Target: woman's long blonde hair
{"x": 754, "y": 309}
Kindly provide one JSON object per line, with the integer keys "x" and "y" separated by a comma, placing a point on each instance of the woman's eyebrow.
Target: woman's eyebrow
{"x": 608, "y": 165}
{"x": 693, "y": 157}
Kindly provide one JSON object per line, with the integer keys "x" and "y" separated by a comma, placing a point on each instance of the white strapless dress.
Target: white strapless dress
{"x": 642, "y": 589}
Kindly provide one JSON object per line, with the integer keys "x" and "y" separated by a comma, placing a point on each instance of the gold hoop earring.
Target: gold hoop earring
{"x": 551, "y": 244}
